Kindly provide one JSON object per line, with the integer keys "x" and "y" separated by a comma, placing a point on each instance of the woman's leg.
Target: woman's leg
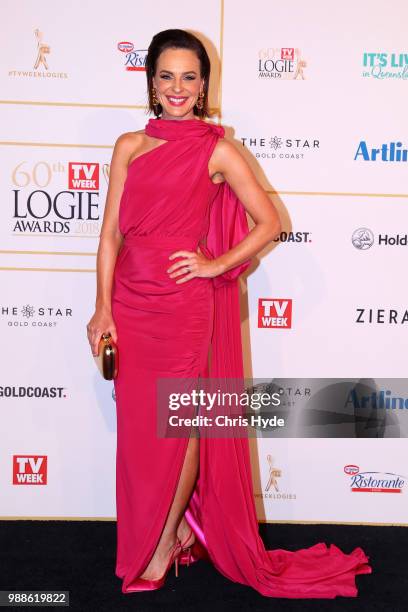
{"x": 183, "y": 493}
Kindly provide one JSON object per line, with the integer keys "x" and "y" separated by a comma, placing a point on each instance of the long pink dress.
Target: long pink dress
{"x": 166, "y": 329}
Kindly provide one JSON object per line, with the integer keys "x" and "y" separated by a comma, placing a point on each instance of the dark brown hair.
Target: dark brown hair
{"x": 177, "y": 39}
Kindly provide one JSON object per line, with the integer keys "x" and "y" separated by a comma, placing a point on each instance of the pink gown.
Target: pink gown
{"x": 166, "y": 329}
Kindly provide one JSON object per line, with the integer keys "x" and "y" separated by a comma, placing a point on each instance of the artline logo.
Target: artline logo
{"x": 377, "y": 400}
{"x": 385, "y": 65}
{"x": 294, "y": 237}
{"x": 28, "y": 315}
{"x": 135, "y": 59}
{"x": 281, "y": 63}
{"x": 30, "y": 469}
{"x": 42, "y": 204}
{"x": 83, "y": 176}
{"x": 275, "y": 313}
{"x": 393, "y": 152}
{"x": 381, "y": 316}
{"x": 275, "y": 147}
{"x": 373, "y": 482}
{"x": 363, "y": 239}
{"x": 40, "y": 65}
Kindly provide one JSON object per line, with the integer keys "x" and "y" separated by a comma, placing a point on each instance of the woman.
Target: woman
{"x": 173, "y": 242}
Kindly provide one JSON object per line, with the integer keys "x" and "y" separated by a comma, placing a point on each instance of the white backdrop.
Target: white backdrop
{"x": 305, "y": 138}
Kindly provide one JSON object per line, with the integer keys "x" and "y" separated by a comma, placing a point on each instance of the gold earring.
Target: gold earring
{"x": 200, "y": 101}
{"x": 155, "y": 100}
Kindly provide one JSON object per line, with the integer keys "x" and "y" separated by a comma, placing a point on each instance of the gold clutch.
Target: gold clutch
{"x": 107, "y": 358}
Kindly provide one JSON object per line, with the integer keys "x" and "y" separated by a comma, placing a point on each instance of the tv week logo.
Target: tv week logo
{"x": 275, "y": 313}
{"x": 287, "y": 53}
{"x": 29, "y": 469}
{"x": 83, "y": 176}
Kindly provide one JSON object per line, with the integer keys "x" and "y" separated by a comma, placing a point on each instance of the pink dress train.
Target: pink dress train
{"x": 169, "y": 203}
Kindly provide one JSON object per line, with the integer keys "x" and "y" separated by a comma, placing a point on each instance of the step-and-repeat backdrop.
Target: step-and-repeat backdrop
{"x": 315, "y": 96}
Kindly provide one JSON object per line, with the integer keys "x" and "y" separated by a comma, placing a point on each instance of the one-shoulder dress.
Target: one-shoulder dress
{"x": 169, "y": 203}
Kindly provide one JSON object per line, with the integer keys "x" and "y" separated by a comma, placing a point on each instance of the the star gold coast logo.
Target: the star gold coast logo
{"x": 41, "y": 68}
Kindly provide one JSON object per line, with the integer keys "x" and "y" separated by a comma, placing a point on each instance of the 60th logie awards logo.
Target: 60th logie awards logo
{"x": 281, "y": 63}
{"x": 41, "y": 68}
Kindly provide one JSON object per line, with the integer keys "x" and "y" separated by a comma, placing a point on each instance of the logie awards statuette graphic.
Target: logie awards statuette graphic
{"x": 43, "y": 49}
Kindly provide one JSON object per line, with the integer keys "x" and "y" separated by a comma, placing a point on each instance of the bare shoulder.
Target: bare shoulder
{"x": 226, "y": 157}
{"x": 225, "y": 151}
{"x": 129, "y": 144}
{"x": 130, "y": 140}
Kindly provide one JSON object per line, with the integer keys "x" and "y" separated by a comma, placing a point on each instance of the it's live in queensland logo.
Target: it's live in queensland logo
{"x": 134, "y": 59}
{"x": 284, "y": 63}
{"x": 57, "y": 197}
{"x": 385, "y": 65}
{"x": 374, "y": 482}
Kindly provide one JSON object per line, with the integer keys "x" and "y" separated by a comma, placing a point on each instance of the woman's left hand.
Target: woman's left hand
{"x": 193, "y": 264}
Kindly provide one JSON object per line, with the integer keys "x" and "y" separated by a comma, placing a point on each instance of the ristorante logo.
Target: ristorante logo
{"x": 29, "y": 469}
{"x": 275, "y": 313}
{"x": 135, "y": 59}
{"x": 392, "y": 152}
{"x": 277, "y": 147}
{"x": 27, "y": 315}
{"x": 385, "y": 65}
{"x": 281, "y": 63}
{"x": 374, "y": 482}
{"x": 381, "y": 316}
{"x": 41, "y": 68}
{"x": 363, "y": 239}
{"x": 56, "y": 198}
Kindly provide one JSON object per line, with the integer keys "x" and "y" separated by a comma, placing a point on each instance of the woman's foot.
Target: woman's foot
{"x": 185, "y": 532}
{"x": 159, "y": 561}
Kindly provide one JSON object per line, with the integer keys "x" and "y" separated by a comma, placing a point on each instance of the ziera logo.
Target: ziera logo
{"x": 373, "y": 482}
{"x": 275, "y": 313}
{"x": 83, "y": 176}
{"x": 29, "y": 469}
{"x": 382, "y": 316}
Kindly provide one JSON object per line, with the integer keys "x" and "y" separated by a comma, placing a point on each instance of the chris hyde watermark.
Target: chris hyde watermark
{"x": 282, "y": 407}
{"x": 225, "y": 421}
